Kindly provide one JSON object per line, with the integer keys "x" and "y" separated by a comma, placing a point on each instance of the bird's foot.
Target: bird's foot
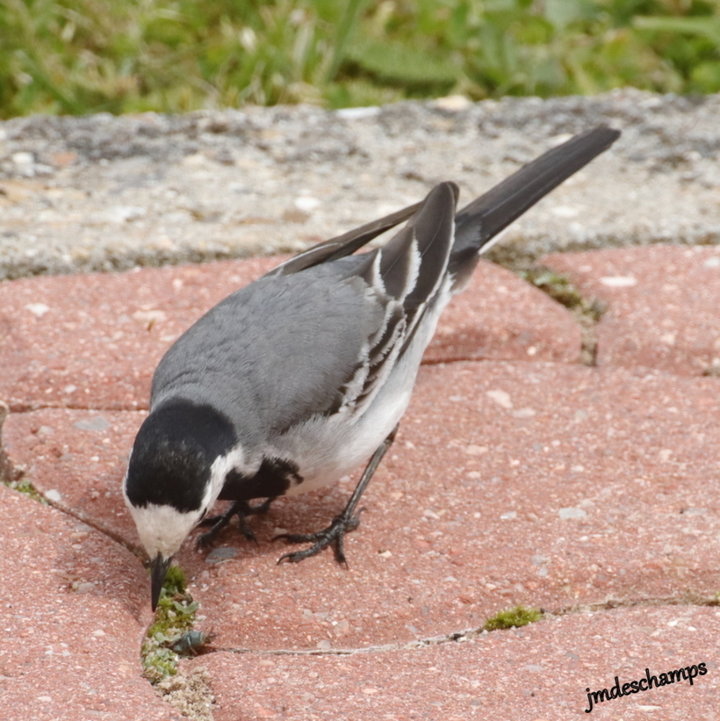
{"x": 333, "y": 536}
{"x": 347, "y": 521}
{"x": 241, "y": 509}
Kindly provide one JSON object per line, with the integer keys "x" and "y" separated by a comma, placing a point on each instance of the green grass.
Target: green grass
{"x": 81, "y": 56}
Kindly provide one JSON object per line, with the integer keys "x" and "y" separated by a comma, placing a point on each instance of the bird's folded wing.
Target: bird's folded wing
{"x": 345, "y": 244}
{"x": 405, "y": 275}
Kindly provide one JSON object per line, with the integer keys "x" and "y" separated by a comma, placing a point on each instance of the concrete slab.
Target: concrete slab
{"x": 661, "y": 301}
{"x": 103, "y": 192}
{"x": 540, "y": 672}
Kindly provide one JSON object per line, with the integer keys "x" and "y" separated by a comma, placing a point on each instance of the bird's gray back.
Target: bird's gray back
{"x": 273, "y": 348}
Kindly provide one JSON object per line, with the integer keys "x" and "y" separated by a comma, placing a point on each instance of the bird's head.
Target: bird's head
{"x": 174, "y": 476}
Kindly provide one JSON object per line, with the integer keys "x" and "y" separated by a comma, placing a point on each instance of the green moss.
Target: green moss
{"x": 23, "y": 485}
{"x": 175, "y": 582}
{"x": 563, "y": 291}
{"x": 512, "y": 618}
{"x": 174, "y": 616}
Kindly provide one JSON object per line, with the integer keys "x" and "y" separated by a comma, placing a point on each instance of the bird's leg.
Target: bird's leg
{"x": 345, "y": 522}
{"x": 241, "y": 509}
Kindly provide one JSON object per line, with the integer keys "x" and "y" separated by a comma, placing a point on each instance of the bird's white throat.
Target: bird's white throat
{"x": 162, "y": 529}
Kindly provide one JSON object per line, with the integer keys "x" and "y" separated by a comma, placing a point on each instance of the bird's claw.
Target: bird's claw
{"x": 241, "y": 509}
{"x": 333, "y": 536}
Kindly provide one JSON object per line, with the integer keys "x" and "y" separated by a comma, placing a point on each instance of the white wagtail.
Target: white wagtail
{"x": 295, "y": 380}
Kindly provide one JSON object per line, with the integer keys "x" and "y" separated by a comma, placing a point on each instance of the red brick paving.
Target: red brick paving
{"x": 73, "y": 615}
{"x": 92, "y": 341}
{"x": 662, "y": 304}
{"x": 519, "y": 476}
{"x": 536, "y": 673}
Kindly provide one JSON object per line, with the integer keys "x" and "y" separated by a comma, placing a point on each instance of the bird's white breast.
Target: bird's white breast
{"x": 326, "y": 449}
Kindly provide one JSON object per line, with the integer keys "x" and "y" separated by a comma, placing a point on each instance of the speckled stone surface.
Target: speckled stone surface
{"x": 540, "y": 484}
{"x": 73, "y": 614}
{"x": 662, "y": 304}
{"x": 500, "y": 317}
{"x": 92, "y": 341}
{"x": 519, "y": 476}
{"x": 524, "y": 485}
{"x": 77, "y": 459}
{"x": 537, "y": 673}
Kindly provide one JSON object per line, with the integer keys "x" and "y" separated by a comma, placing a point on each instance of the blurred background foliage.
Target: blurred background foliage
{"x": 83, "y": 56}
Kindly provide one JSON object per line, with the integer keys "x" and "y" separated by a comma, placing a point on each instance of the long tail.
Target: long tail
{"x": 481, "y": 220}
{"x": 478, "y": 222}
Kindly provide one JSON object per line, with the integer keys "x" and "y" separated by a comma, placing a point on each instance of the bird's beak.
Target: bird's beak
{"x": 158, "y": 570}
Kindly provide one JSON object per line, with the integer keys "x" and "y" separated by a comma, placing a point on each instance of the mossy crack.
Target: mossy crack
{"x": 587, "y": 311}
{"x": 168, "y": 639}
{"x": 12, "y": 475}
{"x": 510, "y": 618}
{"x": 174, "y": 619}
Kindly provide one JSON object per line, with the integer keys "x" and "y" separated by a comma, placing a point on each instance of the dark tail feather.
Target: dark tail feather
{"x": 482, "y": 219}
{"x": 492, "y": 212}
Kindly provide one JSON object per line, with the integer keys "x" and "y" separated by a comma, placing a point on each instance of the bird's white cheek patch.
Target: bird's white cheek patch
{"x": 162, "y": 529}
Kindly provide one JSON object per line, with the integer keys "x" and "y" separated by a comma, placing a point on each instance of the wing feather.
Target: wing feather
{"x": 405, "y": 275}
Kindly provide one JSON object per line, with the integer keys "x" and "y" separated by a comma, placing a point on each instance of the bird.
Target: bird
{"x": 302, "y": 376}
